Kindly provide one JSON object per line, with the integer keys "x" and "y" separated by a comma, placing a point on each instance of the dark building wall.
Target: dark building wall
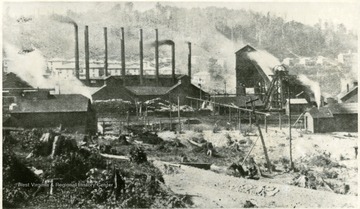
{"x": 346, "y": 122}
{"x": 339, "y": 123}
{"x": 84, "y": 121}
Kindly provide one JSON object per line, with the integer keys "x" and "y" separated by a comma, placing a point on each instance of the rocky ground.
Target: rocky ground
{"x": 327, "y": 160}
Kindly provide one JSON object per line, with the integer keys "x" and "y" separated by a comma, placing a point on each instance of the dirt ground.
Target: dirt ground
{"x": 329, "y": 157}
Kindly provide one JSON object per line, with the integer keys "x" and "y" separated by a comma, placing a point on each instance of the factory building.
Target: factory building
{"x": 113, "y": 88}
{"x": 72, "y": 112}
{"x": 271, "y": 84}
{"x": 141, "y": 86}
{"x": 28, "y": 107}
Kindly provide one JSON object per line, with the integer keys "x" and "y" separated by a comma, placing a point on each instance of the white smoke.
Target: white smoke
{"x": 314, "y": 86}
{"x": 265, "y": 60}
{"x": 31, "y": 67}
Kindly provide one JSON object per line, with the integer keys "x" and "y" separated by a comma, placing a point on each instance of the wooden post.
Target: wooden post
{"x": 239, "y": 115}
{"x": 170, "y": 116}
{"x": 291, "y": 160}
{"x": 230, "y": 114}
{"x": 179, "y": 114}
{"x": 265, "y": 123}
{"x": 280, "y": 121}
{"x": 261, "y": 136}
{"x": 250, "y": 116}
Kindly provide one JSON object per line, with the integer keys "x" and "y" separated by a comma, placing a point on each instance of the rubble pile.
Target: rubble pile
{"x": 80, "y": 177}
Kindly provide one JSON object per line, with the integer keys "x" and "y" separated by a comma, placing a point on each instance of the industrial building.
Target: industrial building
{"x": 140, "y": 87}
{"x": 271, "y": 86}
{"x": 332, "y": 118}
{"x": 43, "y": 110}
{"x": 29, "y": 107}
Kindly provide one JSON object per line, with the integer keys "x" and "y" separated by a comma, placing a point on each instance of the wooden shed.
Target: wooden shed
{"x": 332, "y": 118}
{"x": 70, "y": 111}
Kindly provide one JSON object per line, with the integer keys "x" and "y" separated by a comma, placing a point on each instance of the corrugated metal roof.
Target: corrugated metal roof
{"x": 55, "y": 103}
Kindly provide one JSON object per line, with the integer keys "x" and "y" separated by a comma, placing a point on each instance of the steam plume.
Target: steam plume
{"x": 63, "y": 19}
{"x": 31, "y": 67}
{"x": 314, "y": 86}
{"x": 265, "y": 60}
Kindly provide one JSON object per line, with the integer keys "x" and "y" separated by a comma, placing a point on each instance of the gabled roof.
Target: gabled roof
{"x": 246, "y": 48}
{"x": 321, "y": 112}
{"x": 54, "y": 103}
{"x": 11, "y": 80}
{"x": 334, "y": 109}
{"x": 345, "y": 93}
{"x": 344, "y": 108}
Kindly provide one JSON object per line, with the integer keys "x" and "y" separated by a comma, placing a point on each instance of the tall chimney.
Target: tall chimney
{"x": 157, "y": 56}
{"x": 106, "y": 53}
{"x": 77, "y": 65}
{"x": 189, "y": 61}
{"x": 347, "y": 87}
{"x": 87, "y": 64}
{"x": 173, "y": 62}
{"x": 123, "y": 72}
{"x": 141, "y": 58}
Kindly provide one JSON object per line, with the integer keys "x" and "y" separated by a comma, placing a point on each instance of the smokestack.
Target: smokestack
{"x": 141, "y": 58}
{"x": 347, "y": 88}
{"x": 123, "y": 73}
{"x": 77, "y": 67}
{"x": 189, "y": 61}
{"x": 87, "y": 64}
{"x": 173, "y": 61}
{"x": 106, "y": 53}
{"x": 157, "y": 56}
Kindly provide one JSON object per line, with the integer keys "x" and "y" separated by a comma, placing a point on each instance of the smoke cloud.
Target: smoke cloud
{"x": 314, "y": 86}
{"x": 63, "y": 19}
{"x": 265, "y": 60}
{"x": 31, "y": 67}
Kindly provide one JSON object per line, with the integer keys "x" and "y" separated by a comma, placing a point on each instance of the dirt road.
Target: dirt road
{"x": 212, "y": 190}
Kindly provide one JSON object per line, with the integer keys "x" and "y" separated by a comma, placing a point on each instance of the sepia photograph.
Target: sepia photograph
{"x": 180, "y": 104}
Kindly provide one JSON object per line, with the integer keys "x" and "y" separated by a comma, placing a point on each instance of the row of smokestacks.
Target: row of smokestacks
{"x": 156, "y": 44}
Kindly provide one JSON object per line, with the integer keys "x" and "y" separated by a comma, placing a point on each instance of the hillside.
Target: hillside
{"x": 215, "y": 32}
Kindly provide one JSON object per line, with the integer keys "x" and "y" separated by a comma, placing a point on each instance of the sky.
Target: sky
{"x": 307, "y": 12}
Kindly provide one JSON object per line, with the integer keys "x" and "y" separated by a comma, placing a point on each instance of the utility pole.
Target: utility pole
{"x": 261, "y": 136}
{"x": 179, "y": 114}
{"x": 291, "y": 160}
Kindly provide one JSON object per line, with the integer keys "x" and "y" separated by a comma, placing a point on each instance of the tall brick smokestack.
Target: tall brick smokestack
{"x": 87, "y": 58}
{"x": 189, "y": 61}
{"x": 106, "y": 53}
{"x": 123, "y": 71}
{"x": 173, "y": 62}
{"x": 77, "y": 65}
{"x": 157, "y": 56}
{"x": 141, "y": 58}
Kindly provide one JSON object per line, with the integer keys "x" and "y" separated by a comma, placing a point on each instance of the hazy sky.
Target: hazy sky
{"x": 308, "y": 12}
